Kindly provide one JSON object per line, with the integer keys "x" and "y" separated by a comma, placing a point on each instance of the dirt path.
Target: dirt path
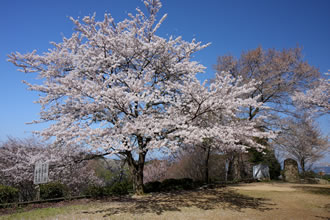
{"x": 290, "y": 201}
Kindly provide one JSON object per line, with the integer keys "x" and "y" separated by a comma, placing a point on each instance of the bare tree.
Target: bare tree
{"x": 302, "y": 140}
{"x": 280, "y": 73}
{"x": 187, "y": 163}
{"x": 198, "y": 163}
{"x": 155, "y": 170}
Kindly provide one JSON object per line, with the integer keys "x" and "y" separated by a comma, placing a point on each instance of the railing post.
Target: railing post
{"x": 38, "y": 192}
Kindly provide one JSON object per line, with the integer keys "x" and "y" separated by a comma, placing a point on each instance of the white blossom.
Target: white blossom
{"x": 315, "y": 99}
{"x": 118, "y": 88}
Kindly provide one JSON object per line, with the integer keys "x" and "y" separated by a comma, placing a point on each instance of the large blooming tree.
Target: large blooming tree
{"x": 118, "y": 88}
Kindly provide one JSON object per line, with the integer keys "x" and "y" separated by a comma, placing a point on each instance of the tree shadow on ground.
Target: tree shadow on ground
{"x": 206, "y": 199}
{"x": 314, "y": 189}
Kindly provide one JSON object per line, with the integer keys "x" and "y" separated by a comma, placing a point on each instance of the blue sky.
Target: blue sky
{"x": 231, "y": 26}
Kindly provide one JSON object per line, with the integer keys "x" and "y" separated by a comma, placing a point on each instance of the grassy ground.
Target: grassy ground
{"x": 245, "y": 201}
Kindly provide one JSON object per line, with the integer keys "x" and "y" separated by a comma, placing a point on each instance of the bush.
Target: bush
{"x": 308, "y": 174}
{"x": 187, "y": 183}
{"x": 8, "y": 194}
{"x": 152, "y": 186}
{"x": 27, "y": 191}
{"x": 169, "y": 184}
{"x": 198, "y": 183}
{"x": 96, "y": 191}
{"x": 120, "y": 188}
{"x": 177, "y": 184}
{"x": 53, "y": 190}
{"x": 325, "y": 177}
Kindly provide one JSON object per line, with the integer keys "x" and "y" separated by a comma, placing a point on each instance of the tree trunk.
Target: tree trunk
{"x": 234, "y": 171}
{"x": 230, "y": 168}
{"x": 138, "y": 182}
{"x": 226, "y": 169}
{"x": 236, "y": 168}
{"x": 136, "y": 170}
{"x": 302, "y": 164}
{"x": 206, "y": 164}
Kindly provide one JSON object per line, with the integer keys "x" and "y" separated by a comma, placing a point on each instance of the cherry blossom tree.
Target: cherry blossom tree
{"x": 118, "y": 88}
{"x": 19, "y": 156}
{"x": 316, "y": 99}
{"x": 214, "y": 115}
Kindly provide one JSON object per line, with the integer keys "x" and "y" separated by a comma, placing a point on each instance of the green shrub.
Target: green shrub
{"x": 53, "y": 190}
{"x": 8, "y": 194}
{"x": 186, "y": 183}
{"x": 177, "y": 184}
{"x": 308, "y": 174}
{"x": 325, "y": 177}
{"x": 169, "y": 184}
{"x": 120, "y": 188}
{"x": 152, "y": 186}
{"x": 96, "y": 191}
{"x": 198, "y": 183}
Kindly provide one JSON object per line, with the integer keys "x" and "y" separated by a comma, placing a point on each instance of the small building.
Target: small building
{"x": 261, "y": 172}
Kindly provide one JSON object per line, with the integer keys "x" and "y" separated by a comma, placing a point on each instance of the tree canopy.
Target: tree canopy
{"x": 118, "y": 88}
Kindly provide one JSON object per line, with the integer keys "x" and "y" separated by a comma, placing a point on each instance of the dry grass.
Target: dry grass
{"x": 292, "y": 201}
{"x": 246, "y": 201}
